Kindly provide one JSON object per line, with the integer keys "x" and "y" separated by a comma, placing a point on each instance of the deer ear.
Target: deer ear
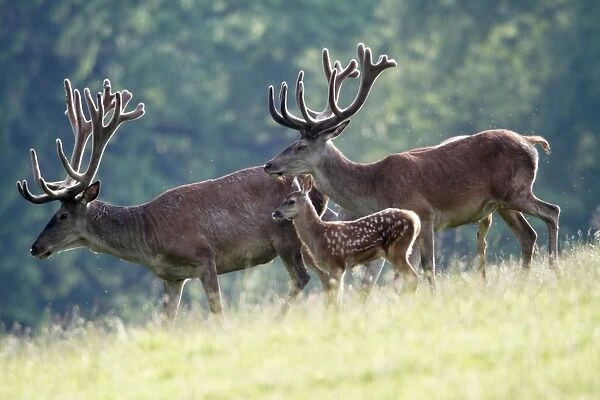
{"x": 91, "y": 193}
{"x": 334, "y": 132}
{"x": 296, "y": 185}
{"x": 307, "y": 184}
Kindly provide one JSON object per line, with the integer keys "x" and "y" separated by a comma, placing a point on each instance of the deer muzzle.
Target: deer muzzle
{"x": 40, "y": 252}
{"x": 273, "y": 170}
{"x": 277, "y": 214}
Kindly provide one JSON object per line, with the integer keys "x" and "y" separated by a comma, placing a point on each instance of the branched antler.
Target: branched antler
{"x": 314, "y": 122}
{"x": 76, "y": 181}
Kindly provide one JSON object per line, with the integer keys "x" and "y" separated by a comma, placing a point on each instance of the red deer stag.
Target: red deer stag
{"x": 199, "y": 230}
{"x": 458, "y": 182}
{"x": 336, "y": 246}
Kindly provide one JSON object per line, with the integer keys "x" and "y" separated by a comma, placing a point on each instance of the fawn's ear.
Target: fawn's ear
{"x": 332, "y": 133}
{"x": 307, "y": 184}
{"x": 91, "y": 193}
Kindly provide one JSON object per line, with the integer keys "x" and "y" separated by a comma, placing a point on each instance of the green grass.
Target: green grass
{"x": 525, "y": 336}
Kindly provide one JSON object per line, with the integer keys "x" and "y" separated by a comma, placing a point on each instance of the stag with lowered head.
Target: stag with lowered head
{"x": 461, "y": 181}
{"x": 198, "y": 230}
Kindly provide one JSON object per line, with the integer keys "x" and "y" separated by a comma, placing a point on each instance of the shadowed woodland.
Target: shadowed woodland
{"x": 202, "y": 71}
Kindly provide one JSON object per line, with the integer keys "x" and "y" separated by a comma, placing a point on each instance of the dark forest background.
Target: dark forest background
{"x": 202, "y": 69}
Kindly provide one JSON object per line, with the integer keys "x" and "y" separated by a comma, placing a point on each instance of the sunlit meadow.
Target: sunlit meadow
{"x": 519, "y": 335}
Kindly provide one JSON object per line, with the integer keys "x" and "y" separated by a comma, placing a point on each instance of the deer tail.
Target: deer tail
{"x": 539, "y": 140}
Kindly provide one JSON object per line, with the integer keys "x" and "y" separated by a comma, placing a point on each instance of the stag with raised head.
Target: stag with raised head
{"x": 458, "y": 182}
{"x": 199, "y": 230}
{"x": 336, "y": 246}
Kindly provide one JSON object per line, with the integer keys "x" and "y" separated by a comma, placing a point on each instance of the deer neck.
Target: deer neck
{"x": 117, "y": 230}
{"x": 308, "y": 225}
{"x": 349, "y": 184}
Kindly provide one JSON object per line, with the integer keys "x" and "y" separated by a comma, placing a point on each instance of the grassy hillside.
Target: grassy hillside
{"x": 531, "y": 336}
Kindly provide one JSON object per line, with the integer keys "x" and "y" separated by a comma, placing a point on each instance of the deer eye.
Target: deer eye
{"x": 63, "y": 216}
{"x": 302, "y": 147}
{"x": 292, "y": 202}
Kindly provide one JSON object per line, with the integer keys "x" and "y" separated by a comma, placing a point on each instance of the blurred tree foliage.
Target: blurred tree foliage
{"x": 202, "y": 68}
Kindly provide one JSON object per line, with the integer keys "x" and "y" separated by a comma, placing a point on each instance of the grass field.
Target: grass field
{"x": 519, "y": 336}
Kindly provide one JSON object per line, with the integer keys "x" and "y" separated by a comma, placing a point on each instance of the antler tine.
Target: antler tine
{"x": 138, "y": 112}
{"x": 326, "y": 64}
{"x": 48, "y": 188}
{"x": 35, "y": 165}
{"x": 27, "y": 195}
{"x": 95, "y": 117}
{"x": 332, "y": 96}
{"x": 22, "y": 185}
{"x": 108, "y": 97}
{"x": 70, "y": 111}
{"x": 84, "y": 130}
{"x": 81, "y": 130}
{"x": 296, "y": 122}
{"x": 125, "y": 97}
{"x": 102, "y": 134}
{"x": 308, "y": 114}
{"x": 350, "y": 71}
{"x": 37, "y": 175}
{"x": 274, "y": 112}
{"x": 370, "y": 73}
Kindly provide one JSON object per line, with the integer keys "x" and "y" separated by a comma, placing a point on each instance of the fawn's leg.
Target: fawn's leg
{"x": 336, "y": 287}
{"x": 399, "y": 255}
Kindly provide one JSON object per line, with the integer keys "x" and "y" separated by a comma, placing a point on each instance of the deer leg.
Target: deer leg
{"x": 415, "y": 256}
{"x": 331, "y": 278}
{"x": 327, "y": 286}
{"x": 405, "y": 273}
{"x": 324, "y": 277}
{"x": 172, "y": 298}
{"x": 523, "y": 231}
{"x": 482, "y": 229}
{"x": 398, "y": 255}
{"x": 426, "y": 245}
{"x": 335, "y": 287}
{"x": 207, "y": 272}
{"x": 322, "y": 273}
{"x": 338, "y": 283}
{"x": 372, "y": 271}
{"x": 549, "y": 213}
{"x": 299, "y": 277}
